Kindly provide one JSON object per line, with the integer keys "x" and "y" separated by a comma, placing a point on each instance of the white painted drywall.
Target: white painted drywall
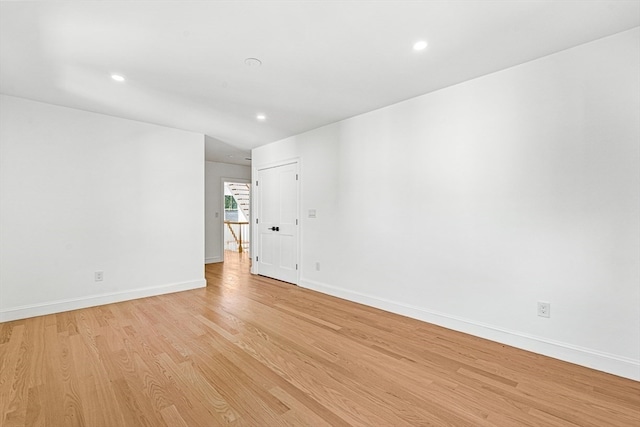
{"x": 82, "y": 192}
{"x": 216, "y": 173}
{"x": 522, "y": 185}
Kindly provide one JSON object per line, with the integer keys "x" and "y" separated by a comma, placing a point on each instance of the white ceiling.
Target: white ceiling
{"x": 322, "y": 61}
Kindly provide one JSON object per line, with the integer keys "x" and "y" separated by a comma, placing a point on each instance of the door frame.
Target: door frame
{"x": 255, "y": 194}
{"x": 241, "y": 180}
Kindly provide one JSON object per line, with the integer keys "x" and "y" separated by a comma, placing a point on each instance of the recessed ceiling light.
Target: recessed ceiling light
{"x": 117, "y": 77}
{"x": 421, "y": 45}
{"x": 261, "y": 117}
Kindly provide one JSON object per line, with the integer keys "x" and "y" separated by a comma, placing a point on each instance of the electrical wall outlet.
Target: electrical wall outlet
{"x": 544, "y": 309}
{"x": 98, "y": 276}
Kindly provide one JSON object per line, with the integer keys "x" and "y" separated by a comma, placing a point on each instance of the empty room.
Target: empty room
{"x": 320, "y": 213}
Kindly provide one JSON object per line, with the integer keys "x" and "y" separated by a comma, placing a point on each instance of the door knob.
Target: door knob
{"x": 275, "y": 228}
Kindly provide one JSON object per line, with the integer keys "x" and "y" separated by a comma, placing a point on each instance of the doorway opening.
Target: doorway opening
{"x": 237, "y": 212}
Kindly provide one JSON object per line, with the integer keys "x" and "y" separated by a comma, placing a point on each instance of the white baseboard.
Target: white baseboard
{"x": 610, "y": 363}
{"x": 59, "y": 306}
{"x": 212, "y": 260}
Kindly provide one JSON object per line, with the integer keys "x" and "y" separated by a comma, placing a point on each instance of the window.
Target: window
{"x": 230, "y": 203}
{"x": 230, "y": 208}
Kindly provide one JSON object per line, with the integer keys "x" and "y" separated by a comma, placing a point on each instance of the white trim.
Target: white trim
{"x": 59, "y": 306}
{"x": 213, "y": 259}
{"x": 606, "y": 362}
{"x": 275, "y": 164}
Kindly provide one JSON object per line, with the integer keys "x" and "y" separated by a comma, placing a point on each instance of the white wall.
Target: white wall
{"x": 523, "y": 186}
{"x": 83, "y": 192}
{"x": 216, "y": 174}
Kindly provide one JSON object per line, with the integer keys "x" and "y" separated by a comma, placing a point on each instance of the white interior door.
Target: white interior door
{"x": 277, "y": 222}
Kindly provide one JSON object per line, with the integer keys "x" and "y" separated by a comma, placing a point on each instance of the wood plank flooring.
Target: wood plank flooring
{"x": 250, "y": 351}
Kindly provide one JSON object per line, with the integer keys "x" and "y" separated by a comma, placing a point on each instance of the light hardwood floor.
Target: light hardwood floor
{"x": 250, "y": 351}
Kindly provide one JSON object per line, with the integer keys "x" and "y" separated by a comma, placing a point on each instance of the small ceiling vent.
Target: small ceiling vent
{"x": 252, "y": 62}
